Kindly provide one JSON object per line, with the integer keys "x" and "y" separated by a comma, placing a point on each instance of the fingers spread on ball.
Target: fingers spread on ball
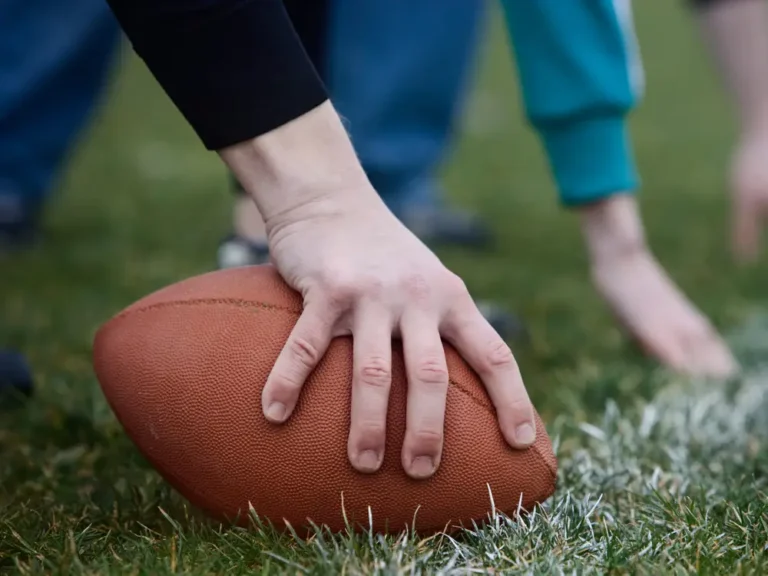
{"x": 427, "y": 374}
{"x": 302, "y": 352}
{"x": 371, "y": 383}
{"x": 481, "y": 346}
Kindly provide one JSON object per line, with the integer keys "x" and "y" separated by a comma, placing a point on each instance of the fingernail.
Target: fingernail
{"x": 524, "y": 434}
{"x": 368, "y": 460}
{"x": 422, "y": 466}
{"x": 276, "y": 411}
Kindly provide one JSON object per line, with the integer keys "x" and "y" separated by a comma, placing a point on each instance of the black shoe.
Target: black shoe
{"x": 18, "y": 223}
{"x": 509, "y": 326}
{"x": 15, "y": 377}
{"x": 235, "y": 251}
{"x": 444, "y": 226}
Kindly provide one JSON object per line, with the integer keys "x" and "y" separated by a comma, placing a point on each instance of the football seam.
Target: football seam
{"x": 238, "y": 302}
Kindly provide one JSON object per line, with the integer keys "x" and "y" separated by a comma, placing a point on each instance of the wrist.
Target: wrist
{"x": 304, "y": 169}
{"x": 612, "y": 229}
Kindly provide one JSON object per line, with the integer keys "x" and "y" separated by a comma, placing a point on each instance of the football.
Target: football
{"x": 183, "y": 370}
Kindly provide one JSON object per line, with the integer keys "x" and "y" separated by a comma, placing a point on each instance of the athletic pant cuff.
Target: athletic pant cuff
{"x": 591, "y": 159}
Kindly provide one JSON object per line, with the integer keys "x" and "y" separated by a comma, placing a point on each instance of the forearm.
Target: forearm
{"x": 307, "y": 165}
{"x": 737, "y": 34}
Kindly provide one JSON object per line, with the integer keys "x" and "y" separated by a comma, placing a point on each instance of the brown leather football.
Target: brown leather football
{"x": 183, "y": 370}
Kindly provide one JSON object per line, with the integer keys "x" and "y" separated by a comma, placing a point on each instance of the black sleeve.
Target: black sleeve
{"x": 311, "y": 20}
{"x": 234, "y": 68}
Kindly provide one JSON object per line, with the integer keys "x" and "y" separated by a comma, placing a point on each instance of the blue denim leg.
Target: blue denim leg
{"x": 396, "y": 73}
{"x": 55, "y": 57}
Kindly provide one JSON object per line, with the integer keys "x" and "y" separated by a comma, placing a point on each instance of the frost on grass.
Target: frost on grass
{"x": 675, "y": 485}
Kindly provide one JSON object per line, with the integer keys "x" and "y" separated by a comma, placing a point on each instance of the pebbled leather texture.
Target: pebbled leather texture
{"x": 183, "y": 370}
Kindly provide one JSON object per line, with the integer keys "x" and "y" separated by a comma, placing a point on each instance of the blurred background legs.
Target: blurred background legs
{"x": 398, "y": 73}
{"x": 398, "y": 77}
{"x": 55, "y": 57}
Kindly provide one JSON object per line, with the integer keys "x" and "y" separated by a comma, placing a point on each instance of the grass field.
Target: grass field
{"x": 657, "y": 474}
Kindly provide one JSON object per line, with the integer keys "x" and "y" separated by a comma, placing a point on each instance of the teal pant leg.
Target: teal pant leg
{"x": 580, "y": 74}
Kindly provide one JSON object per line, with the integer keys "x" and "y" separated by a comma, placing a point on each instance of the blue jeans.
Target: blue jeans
{"x": 55, "y": 57}
{"x": 397, "y": 74}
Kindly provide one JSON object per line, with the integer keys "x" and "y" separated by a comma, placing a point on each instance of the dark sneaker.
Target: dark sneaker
{"x": 18, "y": 223}
{"x": 15, "y": 377}
{"x": 444, "y": 226}
{"x": 236, "y": 251}
{"x": 509, "y": 326}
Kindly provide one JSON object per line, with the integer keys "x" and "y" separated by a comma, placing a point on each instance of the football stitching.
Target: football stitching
{"x": 264, "y": 306}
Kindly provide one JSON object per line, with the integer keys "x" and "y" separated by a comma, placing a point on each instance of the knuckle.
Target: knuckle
{"x": 433, "y": 371}
{"x": 416, "y": 287}
{"x": 427, "y": 439}
{"x": 339, "y": 287}
{"x": 283, "y": 386}
{"x": 342, "y": 288}
{"x": 456, "y": 286}
{"x": 520, "y": 406}
{"x": 371, "y": 287}
{"x": 340, "y": 296}
{"x": 304, "y": 352}
{"x": 369, "y": 434}
{"x": 499, "y": 357}
{"x": 376, "y": 373}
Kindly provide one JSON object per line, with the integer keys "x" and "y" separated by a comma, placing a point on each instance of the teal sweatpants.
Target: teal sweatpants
{"x": 580, "y": 74}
